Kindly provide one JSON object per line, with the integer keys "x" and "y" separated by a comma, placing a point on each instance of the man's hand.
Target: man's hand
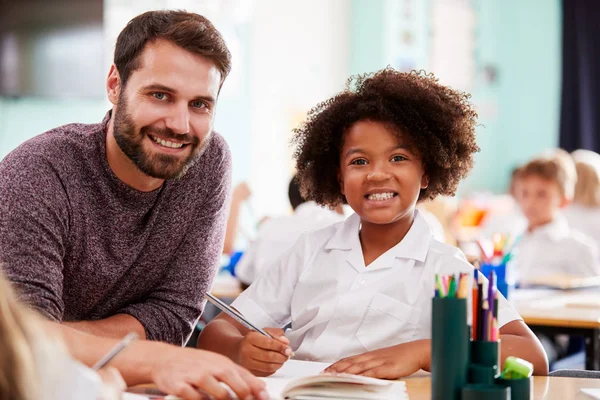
{"x": 387, "y": 363}
{"x": 185, "y": 372}
{"x": 262, "y": 355}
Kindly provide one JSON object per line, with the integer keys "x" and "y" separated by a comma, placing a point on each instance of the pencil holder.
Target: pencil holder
{"x": 485, "y": 353}
{"x": 520, "y": 389}
{"x": 487, "y": 392}
{"x": 483, "y": 364}
{"x": 449, "y": 347}
{"x": 482, "y": 374}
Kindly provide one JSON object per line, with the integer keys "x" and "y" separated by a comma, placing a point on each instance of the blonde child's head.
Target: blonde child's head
{"x": 546, "y": 185}
{"x": 587, "y": 188}
{"x": 389, "y": 140}
{"x": 18, "y": 374}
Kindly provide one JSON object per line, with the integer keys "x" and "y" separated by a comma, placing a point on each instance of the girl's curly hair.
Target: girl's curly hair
{"x": 439, "y": 121}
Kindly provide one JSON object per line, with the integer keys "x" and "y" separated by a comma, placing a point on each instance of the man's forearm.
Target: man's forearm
{"x": 134, "y": 363}
{"x": 116, "y": 326}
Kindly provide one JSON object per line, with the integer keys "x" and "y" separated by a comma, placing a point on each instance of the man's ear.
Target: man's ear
{"x": 113, "y": 84}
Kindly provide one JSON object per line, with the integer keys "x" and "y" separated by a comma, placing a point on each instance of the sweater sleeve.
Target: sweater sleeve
{"x": 34, "y": 225}
{"x": 172, "y": 309}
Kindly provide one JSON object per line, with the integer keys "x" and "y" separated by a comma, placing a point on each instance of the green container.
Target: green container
{"x": 449, "y": 348}
{"x": 485, "y": 353}
{"x": 482, "y": 374}
{"x": 521, "y": 389}
{"x": 486, "y": 392}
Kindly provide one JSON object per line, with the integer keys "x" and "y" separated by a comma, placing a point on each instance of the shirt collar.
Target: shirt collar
{"x": 415, "y": 244}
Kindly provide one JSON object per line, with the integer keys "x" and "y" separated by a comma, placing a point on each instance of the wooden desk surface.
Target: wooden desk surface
{"x": 564, "y": 308}
{"x": 547, "y": 388}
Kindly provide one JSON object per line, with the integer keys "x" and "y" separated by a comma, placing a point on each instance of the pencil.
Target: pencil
{"x": 474, "y": 301}
{"x": 237, "y": 316}
{"x": 479, "y": 306}
{"x": 115, "y": 350}
{"x": 484, "y": 322}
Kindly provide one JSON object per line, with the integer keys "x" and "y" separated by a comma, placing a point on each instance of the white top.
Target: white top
{"x": 586, "y": 220}
{"x": 556, "y": 249}
{"x": 338, "y": 307}
{"x": 277, "y": 235}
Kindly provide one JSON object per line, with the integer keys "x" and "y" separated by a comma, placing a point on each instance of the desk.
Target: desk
{"x": 547, "y": 388}
{"x": 572, "y": 312}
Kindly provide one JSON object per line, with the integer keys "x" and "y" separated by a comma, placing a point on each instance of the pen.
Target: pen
{"x": 237, "y": 316}
{"x": 115, "y": 350}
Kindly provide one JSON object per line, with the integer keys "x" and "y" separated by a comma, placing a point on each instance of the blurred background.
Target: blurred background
{"x": 290, "y": 55}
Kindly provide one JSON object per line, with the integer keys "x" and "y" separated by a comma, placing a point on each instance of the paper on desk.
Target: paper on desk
{"x": 133, "y": 396}
{"x": 290, "y": 370}
{"x": 593, "y": 393}
{"x": 300, "y": 368}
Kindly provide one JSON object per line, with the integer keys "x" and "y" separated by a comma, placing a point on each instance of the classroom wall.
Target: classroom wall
{"x": 520, "y": 39}
{"x": 291, "y": 55}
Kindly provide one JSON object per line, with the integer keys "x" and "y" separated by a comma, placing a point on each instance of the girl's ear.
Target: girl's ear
{"x": 340, "y": 182}
{"x": 424, "y": 181}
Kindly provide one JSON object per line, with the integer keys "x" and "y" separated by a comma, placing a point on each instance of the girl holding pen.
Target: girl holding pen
{"x": 358, "y": 293}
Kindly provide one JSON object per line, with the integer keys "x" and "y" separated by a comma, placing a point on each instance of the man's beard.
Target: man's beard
{"x": 161, "y": 166}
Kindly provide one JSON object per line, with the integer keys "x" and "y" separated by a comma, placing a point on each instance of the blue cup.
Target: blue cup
{"x": 500, "y": 269}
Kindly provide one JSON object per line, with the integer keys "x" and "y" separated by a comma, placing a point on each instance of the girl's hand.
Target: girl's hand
{"x": 388, "y": 363}
{"x": 263, "y": 355}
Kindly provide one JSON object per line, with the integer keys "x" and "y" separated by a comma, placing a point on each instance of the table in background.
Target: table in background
{"x": 548, "y": 388}
{"x": 571, "y": 312}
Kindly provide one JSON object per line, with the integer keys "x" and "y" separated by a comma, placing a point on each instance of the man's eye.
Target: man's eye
{"x": 198, "y": 104}
{"x": 159, "y": 96}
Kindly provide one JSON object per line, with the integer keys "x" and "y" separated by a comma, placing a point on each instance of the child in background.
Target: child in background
{"x": 276, "y": 235}
{"x": 360, "y": 291}
{"x": 584, "y": 213}
{"x": 34, "y": 366}
{"x": 549, "y": 246}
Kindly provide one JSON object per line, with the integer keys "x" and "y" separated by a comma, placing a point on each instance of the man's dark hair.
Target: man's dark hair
{"x": 190, "y": 31}
{"x": 294, "y": 193}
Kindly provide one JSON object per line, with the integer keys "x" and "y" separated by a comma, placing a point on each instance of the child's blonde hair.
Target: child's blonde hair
{"x": 18, "y": 373}
{"x": 587, "y": 189}
{"x": 556, "y": 166}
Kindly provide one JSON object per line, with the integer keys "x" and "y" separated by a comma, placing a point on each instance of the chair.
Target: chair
{"x": 575, "y": 373}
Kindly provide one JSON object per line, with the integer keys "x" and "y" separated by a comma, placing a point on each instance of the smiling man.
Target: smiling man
{"x": 118, "y": 227}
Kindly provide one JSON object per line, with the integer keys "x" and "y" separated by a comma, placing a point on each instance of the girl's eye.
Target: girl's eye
{"x": 360, "y": 161}
{"x": 198, "y": 104}
{"x": 159, "y": 96}
{"x": 398, "y": 158}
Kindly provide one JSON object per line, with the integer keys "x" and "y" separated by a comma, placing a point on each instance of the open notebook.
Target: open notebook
{"x": 303, "y": 380}
{"x": 337, "y": 386}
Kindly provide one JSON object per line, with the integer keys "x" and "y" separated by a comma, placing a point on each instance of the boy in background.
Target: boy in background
{"x": 549, "y": 246}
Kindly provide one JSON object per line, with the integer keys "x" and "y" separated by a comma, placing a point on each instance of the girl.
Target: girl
{"x": 35, "y": 367}
{"x": 360, "y": 290}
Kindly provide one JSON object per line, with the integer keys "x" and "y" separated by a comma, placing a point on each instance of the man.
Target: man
{"x": 118, "y": 227}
